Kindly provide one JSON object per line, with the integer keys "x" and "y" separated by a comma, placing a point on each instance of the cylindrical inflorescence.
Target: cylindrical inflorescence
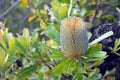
{"x": 74, "y": 37}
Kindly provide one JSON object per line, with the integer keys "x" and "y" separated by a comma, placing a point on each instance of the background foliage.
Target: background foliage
{"x": 36, "y": 54}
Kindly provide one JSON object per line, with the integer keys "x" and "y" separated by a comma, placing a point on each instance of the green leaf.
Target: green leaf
{"x": 64, "y": 1}
{"x": 26, "y": 71}
{"x": 55, "y": 5}
{"x": 26, "y": 33}
{"x": 58, "y": 70}
{"x": 5, "y": 37}
{"x": 2, "y": 58}
{"x": 90, "y": 12}
{"x": 23, "y": 44}
{"x": 11, "y": 44}
{"x": 82, "y": 2}
{"x": 70, "y": 67}
{"x": 94, "y": 48}
{"x": 81, "y": 68}
{"x": 109, "y": 17}
{"x": 60, "y": 11}
{"x": 56, "y": 54}
{"x": 35, "y": 1}
{"x": 116, "y": 44}
{"x": 96, "y": 54}
{"x": 2, "y": 43}
{"x": 53, "y": 33}
{"x": 34, "y": 37}
{"x": 79, "y": 76}
{"x": 82, "y": 12}
{"x": 12, "y": 59}
{"x": 41, "y": 76}
{"x": 89, "y": 35}
{"x": 98, "y": 62}
{"x": 23, "y": 4}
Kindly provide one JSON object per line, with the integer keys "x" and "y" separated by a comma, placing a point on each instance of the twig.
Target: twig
{"x": 9, "y": 9}
{"x": 50, "y": 68}
{"x": 70, "y": 8}
{"x": 96, "y": 11}
{"x": 45, "y": 63}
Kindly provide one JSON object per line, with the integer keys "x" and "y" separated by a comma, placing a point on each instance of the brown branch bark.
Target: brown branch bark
{"x": 96, "y": 11}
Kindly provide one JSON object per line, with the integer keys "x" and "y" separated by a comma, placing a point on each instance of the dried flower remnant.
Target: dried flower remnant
{"x": 74, "y": 38}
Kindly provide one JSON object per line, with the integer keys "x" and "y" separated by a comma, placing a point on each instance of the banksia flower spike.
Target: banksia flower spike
{"x": 74, "y": 37}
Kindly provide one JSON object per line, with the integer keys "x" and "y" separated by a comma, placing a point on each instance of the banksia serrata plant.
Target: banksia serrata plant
{"x": 74, "y": 37}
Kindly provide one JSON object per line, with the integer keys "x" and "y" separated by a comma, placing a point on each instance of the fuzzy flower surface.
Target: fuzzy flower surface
{"x": 73, "y": 37}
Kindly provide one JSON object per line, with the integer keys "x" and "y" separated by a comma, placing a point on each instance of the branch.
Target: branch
{"x": 45, "y": 63}
{"x": 9, "y": 9}
{"x": 96, "y": 11}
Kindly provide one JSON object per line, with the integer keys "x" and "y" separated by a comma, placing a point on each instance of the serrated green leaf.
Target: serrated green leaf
{"x": 94, "y": 48}
{"x": 79, "y": 76}
{"x": 70, "y": 67}
{"x": 81, "y": 69}
{"x": 54, "y": 53}
{"x": 58, "y": 70}
{"x": 98, "y": 62}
